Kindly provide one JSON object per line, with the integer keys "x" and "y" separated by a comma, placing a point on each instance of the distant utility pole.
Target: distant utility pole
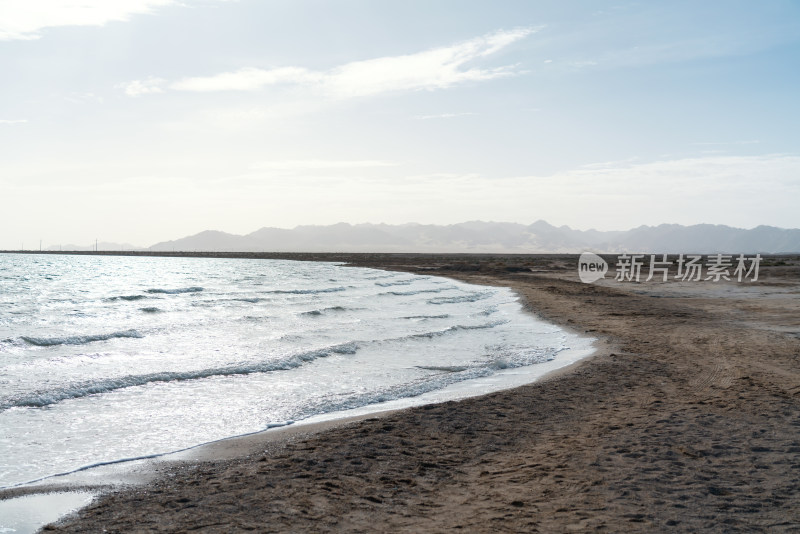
{"x": 40, "y": 245}
{"x": 95, "y": 244}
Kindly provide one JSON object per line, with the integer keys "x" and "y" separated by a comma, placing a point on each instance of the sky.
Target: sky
{"x": 138, "y": 121}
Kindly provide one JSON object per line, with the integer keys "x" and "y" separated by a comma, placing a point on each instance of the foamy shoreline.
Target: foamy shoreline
{"x": 54, "y": 492}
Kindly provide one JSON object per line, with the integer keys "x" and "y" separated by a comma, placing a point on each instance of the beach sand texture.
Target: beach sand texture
{"x": 686, "y": 419}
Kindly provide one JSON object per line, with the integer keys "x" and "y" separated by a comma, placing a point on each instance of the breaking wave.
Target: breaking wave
{"x": 324, "y": 310}
{"x": 78, "y": 340}
{"x": 194, "y": 289}
{"x": 398, "y": 283}
{"x": 469, "y": 297}
{"x": 75, "y": 391}
{"x": 451, "y": 329}
{"x": 443, "y": 368}
{"x": 306, "y": 291}
{"x": 409, "y": 293}
{"x": 447, "y": 375}
{"x": 128, "y": 297}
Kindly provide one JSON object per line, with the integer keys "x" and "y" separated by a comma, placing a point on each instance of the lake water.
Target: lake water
{"x": 108, "y": 358}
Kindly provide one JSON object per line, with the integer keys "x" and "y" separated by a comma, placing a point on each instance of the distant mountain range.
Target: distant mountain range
{"x": 493, "y": 237}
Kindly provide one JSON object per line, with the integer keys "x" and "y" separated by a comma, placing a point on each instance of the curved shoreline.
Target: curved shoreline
{"x": 689, "y": 423}
{"x": 113, "y": 475}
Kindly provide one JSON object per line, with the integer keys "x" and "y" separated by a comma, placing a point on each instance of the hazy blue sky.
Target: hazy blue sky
{"x": 145, "y": 120}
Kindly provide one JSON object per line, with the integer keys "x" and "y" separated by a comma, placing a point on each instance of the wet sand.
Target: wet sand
{"x": 686, "y": 419}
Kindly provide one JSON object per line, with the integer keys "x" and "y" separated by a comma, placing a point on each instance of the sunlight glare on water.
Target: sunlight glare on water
{"x": 105, "y": 358}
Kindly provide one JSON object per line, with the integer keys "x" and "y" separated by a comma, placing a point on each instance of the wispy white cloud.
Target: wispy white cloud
{"x": 13, "y": 121}
{"x": 242, "y": 116}
{"x": 142, "y": 87}
{"x": 689, "y": 176}
{"x": 249, "y": 79}
{"x": 683, "y": 189}
{"x": 316, "y": 164}
{"x": 24, "y": 19}
{"x": 433, "y": 69}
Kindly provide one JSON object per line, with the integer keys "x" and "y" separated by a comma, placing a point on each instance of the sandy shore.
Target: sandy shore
{"x": 687, "y": 419}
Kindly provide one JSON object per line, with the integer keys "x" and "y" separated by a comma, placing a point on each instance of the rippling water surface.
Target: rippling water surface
{"x": 104, "y": 358}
